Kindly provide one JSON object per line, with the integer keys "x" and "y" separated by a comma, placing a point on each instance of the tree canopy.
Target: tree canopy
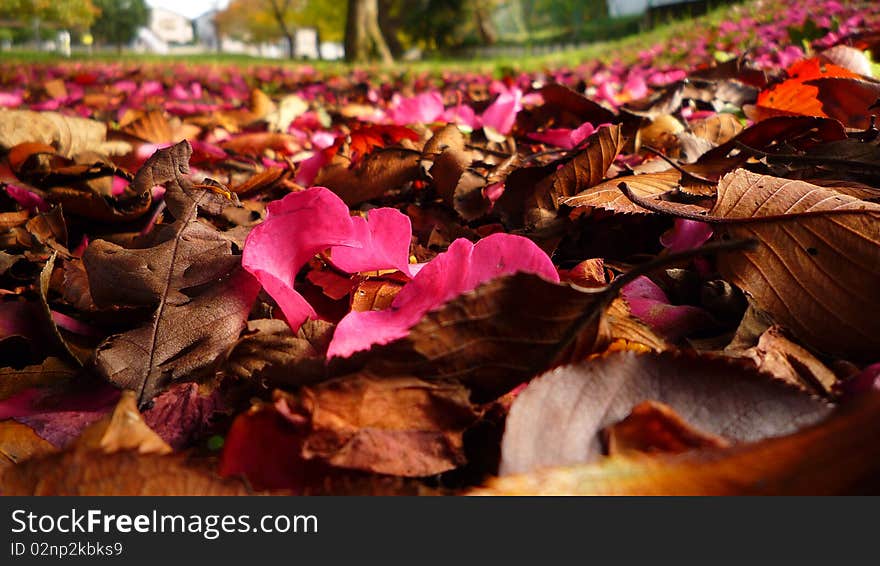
{"x": 64, "y": 13}
{"x": 120, "y": 20}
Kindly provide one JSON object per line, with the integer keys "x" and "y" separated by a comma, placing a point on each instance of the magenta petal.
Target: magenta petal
{"x": 384, "y": 236}
{"x": 686, "y": 235}
{"x": 649, "y": 303}
{"x": 560, "y": 137}
{"x": 26, "y": 199}
{"x": 582, "y": 132}
{"x": 10, "y": 99}
{"x": 461, "y": 114}
{"x": 504, "y": 254}
{"x": 501, "y": 114}
{"x": 463, "y": 267}
{"x": 296, "y": 228}
{"x": 424, "y": 108}
{"x": 309, "y": 168}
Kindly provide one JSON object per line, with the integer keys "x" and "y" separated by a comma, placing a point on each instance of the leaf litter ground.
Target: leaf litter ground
{"x": 617, "y": 278}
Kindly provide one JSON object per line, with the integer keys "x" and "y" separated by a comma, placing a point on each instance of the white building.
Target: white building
{"x": 170, "y": 27}
{"x": 618, "y": 8}
{"x": 206, "y": 30}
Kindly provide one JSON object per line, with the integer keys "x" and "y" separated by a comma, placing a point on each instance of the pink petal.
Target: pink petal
{"x": 461, "y": 114}
{"x": 118, "y": 186}
{"x": 384, "y": 236}
{"x": 26, "y": 199}
{"x": 501, "y": 114}
{"x": 583, "y": 131}
{"x": 649, "y": 303}
{"x": 560, "y": 137}
{"x": 462, "y": 268}
{"x": 10, "y": 99}
{"x": 686, "y": 235}
{"x": 296, "y": 228}
{"x": 73, "y": 325}
{"x": 423, "y": 108}
{"x": 309, "y": 168}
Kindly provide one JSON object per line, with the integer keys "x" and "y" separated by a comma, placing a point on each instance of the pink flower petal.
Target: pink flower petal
{"x": 423, "y": 108}
{"x": 384, "y": 236}
{"x": 296, "y": 228}
{"x": 26, "y": 199}
{"x": 73, "y": 325}
{"x": 10, "y": 99}
{"x": 462, "y": 268}
{"x": 461, "y": 114}
{"x": 560, "y": 137}
{"x": 501, "y": 114}
{"x": 686, "y": 235}
{"x": 649, "y": 303}
{"x": 584, "y": 131}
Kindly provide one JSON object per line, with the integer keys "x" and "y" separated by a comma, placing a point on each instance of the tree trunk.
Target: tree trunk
{"x": 389, "y": 26}
{"x": 485, "y": 28}
{"x": 291, "y": 44}
{"x": 363, "y": 37}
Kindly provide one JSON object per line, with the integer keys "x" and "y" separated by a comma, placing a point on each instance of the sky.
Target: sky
{"x": 189, "y": 8}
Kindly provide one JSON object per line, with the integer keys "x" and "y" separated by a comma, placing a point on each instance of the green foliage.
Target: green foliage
{"x": 255, "y": 20}
{"x": 63, "y": 13}
{"x": 120, "y": 20}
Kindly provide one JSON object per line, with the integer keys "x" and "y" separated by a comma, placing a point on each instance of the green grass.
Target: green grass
{"x": 625, "y": 49}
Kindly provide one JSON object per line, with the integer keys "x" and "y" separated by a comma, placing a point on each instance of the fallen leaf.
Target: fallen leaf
{"x": 537, "y": 191}
{"x": 83, "y": 472}
{"x": 189, "y": 329}
{"x": 48, "y": 372}
{"x": 385, "y": 424}
{"x": 69, "y": 135}
{"x": 818, "y": 268}
{"x": 777, "y": 355}
{"x": 835, "y": 457}
{"x": 380, "y": 171}
{"x": 556, "y": 420}
{"x": 18, "y": 443}
{"x": 123, "y": 429}
{"x": 654, "y": 428}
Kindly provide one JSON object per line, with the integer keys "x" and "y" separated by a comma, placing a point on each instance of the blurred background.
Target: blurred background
{"x": 357, "y": 30}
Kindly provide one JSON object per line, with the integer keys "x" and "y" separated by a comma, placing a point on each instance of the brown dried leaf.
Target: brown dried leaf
{"x": 838, "y": 456}
{"x": 380, "y": 171}
{"x": 268, "y": 350}
{"x": 85, "y": 472}
{"x": 69, "y": 135}
{"x": 190, "y": 276}
{"x": 19, "y": 442}
{"x": 48, "y": 372}
{"x": 123, "y": 429}
{"x": 818, "y": 269}
{"x": 777, "y": 355}
{"x": 653, "y": 428}
{"x": 532, "y": 194}
{"x": 555, "y": 421}
{"x": 717, "y": 129}
{"x": 398, "y": 425}
{"x": 608, "y": 196}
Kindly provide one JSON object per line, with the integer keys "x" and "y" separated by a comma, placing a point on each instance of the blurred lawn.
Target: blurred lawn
{"x": 625, "y": 49}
